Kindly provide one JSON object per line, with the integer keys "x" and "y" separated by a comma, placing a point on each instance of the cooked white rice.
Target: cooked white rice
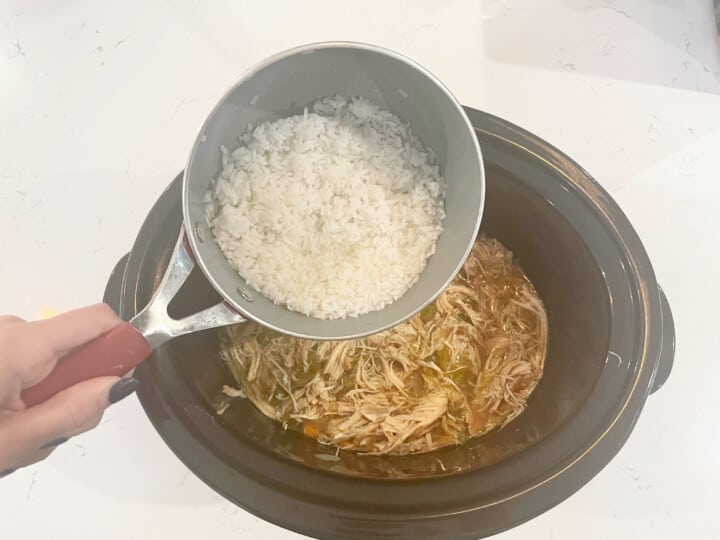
{"x": 332, "y": 213}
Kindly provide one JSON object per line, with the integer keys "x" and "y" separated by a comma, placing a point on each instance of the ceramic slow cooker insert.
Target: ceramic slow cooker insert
{"x": 611, "y": 343}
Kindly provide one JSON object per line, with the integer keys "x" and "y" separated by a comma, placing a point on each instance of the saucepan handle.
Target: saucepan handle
{"x": 114, "y": 353}
{"x": 124, "y": 347}
{"x": 667, "y": 351}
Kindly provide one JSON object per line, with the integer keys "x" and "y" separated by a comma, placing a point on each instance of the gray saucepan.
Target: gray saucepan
{"x": 282, "y": 86}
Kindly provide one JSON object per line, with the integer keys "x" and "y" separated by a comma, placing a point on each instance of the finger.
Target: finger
{"x": 66, "y": 414}
{"x": 27, "y": 460}
{"x": 6, "y": 320}
{"x": 73, "y": 328}
{"x": 11, "y": 375}
{"x": 36, "y": 345}
{"x": 34, "y": 457}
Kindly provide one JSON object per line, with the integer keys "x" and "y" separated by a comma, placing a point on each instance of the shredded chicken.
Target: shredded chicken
{"x": 232, "y": 392}
{"x": 462, "y": 367}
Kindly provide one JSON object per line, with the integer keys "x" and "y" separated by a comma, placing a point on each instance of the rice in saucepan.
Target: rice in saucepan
{"x": 332, "y": 213}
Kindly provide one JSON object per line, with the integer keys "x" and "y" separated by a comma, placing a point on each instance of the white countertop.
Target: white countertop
{"x": 100, "y": 102}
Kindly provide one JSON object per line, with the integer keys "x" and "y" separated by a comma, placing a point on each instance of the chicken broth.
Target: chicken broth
{"x": 466, "y": 364}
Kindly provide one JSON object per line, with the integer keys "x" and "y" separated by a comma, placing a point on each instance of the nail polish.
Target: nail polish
{"x": 122, "y": 389}
{"x": 56, "y": 442}
{"x": 6, "y": 472}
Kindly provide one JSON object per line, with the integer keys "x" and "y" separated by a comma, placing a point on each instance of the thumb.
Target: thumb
{"x": 70, "y": 412}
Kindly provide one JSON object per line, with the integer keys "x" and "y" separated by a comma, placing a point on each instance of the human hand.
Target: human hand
{"x": 29, "y": 351}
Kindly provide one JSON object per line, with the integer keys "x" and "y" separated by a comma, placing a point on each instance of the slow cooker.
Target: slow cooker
{"x": 611, "y": 344}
